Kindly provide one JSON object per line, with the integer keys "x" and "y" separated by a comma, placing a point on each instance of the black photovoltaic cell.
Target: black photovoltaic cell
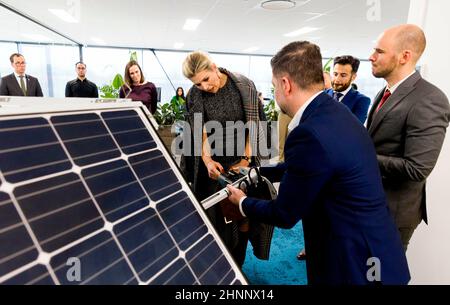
{"x": 101, "y": 262}
{"x": 129, "y": 131}
{"x": 115, "y": 189}
{"x": 155, "y": 174}
{"x": 37, "y": 275}
{"x": 30, "y": 149}
{"x": 122, "y": 220}
{"x": 17, "y": 248}
{"x": 59, "y": 210}
{"x": 146, "y": 243}
{"x": 86, "y": 138}
{"x": 208, "y": 262}
{"x": 177, "y": 274}
{"x": 182, "y": 219}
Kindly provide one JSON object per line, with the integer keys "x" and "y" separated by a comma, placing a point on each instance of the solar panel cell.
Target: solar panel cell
{"x": 115, "y": 189}
{"x": 86, "y": 138}
{"x": 59, "y": 210}
{"x": 147, "y": 243}
{"x": 29, "y": 149}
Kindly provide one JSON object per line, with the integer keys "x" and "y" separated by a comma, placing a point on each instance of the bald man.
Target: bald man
{"x": 407, "y": 124}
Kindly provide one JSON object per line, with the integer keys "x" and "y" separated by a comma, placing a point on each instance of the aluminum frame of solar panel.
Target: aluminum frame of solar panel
{"x": 112, "y": 239}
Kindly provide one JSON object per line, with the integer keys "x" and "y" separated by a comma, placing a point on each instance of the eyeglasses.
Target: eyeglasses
{"x": 20, "y": 63}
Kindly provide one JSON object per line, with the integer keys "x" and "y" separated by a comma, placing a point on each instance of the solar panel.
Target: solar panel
{"x": 89, "y": 195}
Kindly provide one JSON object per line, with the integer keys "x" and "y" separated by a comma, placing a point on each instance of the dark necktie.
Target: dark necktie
{"x": 386, "y": 95}
{"x": 337, "y": 96}
{"x": 22, "y": 85}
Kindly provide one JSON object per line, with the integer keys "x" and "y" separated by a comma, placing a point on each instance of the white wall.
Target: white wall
{"x": 429, "y": 250}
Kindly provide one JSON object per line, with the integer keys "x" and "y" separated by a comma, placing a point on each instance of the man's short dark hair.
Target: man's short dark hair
{"x": 80, "y": 62}
{"x": 347, "y": 60}
{"x": 11, "y": 58}
{"x": 302, "y": 61}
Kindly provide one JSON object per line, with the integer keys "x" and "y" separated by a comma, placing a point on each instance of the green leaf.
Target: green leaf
{"x": 117, "y": 81}
{"x": 327, "y": 66}
{"x": 133, "y": 56}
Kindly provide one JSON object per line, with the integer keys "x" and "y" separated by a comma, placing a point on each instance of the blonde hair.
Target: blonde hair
{"x": 196, "y": 62}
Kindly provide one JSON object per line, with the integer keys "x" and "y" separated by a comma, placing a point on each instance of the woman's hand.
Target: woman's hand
{"x": 237, "y": 166}
{"x": 214, "y": 169}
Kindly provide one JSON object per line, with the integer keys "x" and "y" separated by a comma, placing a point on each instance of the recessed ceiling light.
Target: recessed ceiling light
{"x": 191, "y": 24}
{"x": 63, "y": 15}
{"x": 250, "y": 50}
{"x": 178, "y": 45}
{"x": 303, "y": 30}
{"x": 37, "y": 37}
{"x": 277, "y": 4}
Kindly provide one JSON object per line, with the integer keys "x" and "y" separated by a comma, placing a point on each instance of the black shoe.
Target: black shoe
{"x": 301, "y": 256}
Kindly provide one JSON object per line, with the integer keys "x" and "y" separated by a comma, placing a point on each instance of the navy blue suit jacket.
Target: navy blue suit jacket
{"x": 357, "y": 103}
{"x": 331, "y": 180}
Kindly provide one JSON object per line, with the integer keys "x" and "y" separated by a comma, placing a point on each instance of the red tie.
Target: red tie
{"x": 386, "y": 94}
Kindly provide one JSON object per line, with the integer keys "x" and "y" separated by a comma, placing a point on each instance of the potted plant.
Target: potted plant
{"x": 166, "y": 116}
{"x": 112, "y": 90}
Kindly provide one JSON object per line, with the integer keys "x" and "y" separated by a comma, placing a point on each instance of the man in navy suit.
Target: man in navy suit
{"x": 19, "y": 83}
{"x": 330, "y": 179}
{"x": 344, "y": 74}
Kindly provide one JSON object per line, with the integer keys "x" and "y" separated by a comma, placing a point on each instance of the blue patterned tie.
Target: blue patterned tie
{"x": 337, "y": 96}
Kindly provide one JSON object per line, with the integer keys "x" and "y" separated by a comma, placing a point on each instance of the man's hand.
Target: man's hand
{"x": 214, "y": 169}
{"x": 235, "y": 194}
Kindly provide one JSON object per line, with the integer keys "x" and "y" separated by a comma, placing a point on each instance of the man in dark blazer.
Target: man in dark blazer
{"x": 19, "y": 83}
{"x": 344, "y": 74}
{"x": 330, "y": 179}
{"x": 407, "y": 124}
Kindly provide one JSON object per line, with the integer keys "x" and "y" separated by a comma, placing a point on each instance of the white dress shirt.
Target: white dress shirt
{"x": 394, "y": 87}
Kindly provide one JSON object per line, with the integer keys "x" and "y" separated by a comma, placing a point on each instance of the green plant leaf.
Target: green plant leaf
{"x": 133, "y": 56}
{"x": 117, "y": 81}
{"x": 327, "y": 66}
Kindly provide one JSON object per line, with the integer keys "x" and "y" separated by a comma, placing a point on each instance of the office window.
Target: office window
{"x": 6, "y": 49}
{"x": 367, "y": 83}
{"x": 104, "y": 63}
{"x": 62, "y": 62}
{"x": 261, "y": 75}
{"x": 172, "y": 62}
{"x": 233, "y": 63}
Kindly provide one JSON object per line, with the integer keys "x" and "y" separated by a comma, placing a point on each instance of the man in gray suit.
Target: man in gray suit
{"x": 19, "y": 83}
{"x": 407, "y": 124}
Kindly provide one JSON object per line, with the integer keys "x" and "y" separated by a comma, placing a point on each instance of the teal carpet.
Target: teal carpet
{"x": 282, "y": 268}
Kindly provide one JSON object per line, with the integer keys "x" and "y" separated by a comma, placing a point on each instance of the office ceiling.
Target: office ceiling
{"x": 343, "y": 26}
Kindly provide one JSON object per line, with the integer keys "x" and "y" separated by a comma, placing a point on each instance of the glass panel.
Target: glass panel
{"x": 62, "y": 62}
{"x": 172, "y": 62}
{"x": 6, "y": 49}
{"x": 104, "y": 63}
{"x": 233, "y": 63}
{"x": 261, "y": 75}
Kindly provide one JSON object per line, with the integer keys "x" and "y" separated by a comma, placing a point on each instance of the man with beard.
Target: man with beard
{"x": 344, "y": 73}
{"x": 407, "y": 124}
{"x": 81, "y": 86}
